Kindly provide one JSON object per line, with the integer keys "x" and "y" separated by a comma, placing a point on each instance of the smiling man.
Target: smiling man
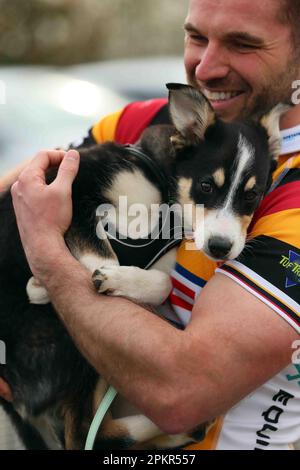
{"x": 241, "y": 55}
{"x": 233, "y": 359}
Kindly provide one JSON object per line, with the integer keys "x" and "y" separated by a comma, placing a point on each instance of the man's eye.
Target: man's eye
{"x": 245, "y": 47}
{"x": 198, "y": 38}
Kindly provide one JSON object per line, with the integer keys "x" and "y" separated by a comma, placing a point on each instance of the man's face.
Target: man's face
{"x": 239, "y": 54}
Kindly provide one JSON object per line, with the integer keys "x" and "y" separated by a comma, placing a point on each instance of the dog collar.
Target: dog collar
{"x": 155, "y": 169}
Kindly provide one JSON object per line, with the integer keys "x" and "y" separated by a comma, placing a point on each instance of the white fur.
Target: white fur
{"x": 139, "y": 427}
{"x": 151, "y": 287}
{"x": 37, "y": 294}
{"x": 92, "y": 261}
{"x": 245, "y": 158}
{"x": 224, "y": 224}
{"x": 139, "y": 206}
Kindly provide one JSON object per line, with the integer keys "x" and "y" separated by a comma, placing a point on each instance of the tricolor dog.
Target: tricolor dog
{"x": 198, "y": 161}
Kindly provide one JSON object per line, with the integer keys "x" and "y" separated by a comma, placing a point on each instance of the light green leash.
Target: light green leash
{"x": 98, "y": 418}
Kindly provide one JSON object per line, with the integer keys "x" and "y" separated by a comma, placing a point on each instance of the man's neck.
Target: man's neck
{"x": 291, "y": 118}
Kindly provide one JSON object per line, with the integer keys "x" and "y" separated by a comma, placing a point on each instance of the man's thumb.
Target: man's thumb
{"x": 68, "y": 168}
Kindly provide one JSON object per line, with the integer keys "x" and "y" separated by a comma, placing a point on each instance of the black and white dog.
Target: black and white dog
{"x": 199, "y": 160}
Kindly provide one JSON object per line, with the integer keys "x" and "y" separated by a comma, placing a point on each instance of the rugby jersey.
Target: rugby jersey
{"x": 270, "y": 269}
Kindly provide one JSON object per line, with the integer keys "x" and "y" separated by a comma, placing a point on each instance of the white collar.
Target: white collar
{"x": 290, "y": 140}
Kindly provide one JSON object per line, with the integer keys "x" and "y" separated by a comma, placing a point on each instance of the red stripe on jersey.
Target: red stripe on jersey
{"x": 184, "y": 289}
{"x": 177, "y": 301}
{"x": 135, "y": 118}
{"x": 283, "y": 198}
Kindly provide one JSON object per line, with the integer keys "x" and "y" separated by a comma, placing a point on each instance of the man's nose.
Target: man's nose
{"x": 213, "y": 64}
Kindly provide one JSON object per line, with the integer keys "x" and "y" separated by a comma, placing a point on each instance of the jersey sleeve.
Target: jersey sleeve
{"x": 103, "y": 131}
{"x": 126, "y": 125}
{"x": 269, "y": 266}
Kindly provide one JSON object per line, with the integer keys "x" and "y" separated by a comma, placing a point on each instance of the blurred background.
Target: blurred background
{"x": 66, "y": 63}
{"x": 74, "y": 31}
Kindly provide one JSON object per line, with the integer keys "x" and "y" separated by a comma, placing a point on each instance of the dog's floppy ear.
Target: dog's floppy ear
{"x": 190, "y": 112}
{"x": 271, "y": 123}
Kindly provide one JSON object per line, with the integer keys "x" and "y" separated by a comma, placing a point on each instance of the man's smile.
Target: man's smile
{"x": 223, "y": 100}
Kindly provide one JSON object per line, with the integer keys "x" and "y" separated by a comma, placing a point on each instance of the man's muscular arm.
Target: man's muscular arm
{"x": 179, "y": 379}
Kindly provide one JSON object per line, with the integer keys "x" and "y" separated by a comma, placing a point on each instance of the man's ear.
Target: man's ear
{"x": 5, "y": 391}
{"x": 271, "y": 123}
{"x": 190, "y": 112}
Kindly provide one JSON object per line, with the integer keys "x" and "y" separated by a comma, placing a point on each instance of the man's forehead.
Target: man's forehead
{"x": 255, "y": 17}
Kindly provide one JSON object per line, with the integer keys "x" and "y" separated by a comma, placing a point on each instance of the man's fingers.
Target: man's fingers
{"x": 68, "y": 170}
{"x": 41, "y": 163}
{"x": 47, "y": 159}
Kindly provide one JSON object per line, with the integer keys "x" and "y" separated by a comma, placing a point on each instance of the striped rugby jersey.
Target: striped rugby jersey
{"x": 269, "y": 268}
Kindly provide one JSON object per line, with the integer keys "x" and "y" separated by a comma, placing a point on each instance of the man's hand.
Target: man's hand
{"x": 44, "y": 212}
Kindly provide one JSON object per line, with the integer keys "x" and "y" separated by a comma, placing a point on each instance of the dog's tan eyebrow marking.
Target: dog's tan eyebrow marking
{"x": 250, "y": 184}
{"x": 219, "y": 177}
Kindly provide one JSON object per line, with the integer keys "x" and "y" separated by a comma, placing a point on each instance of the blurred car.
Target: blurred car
{"x": 45, "y": 107}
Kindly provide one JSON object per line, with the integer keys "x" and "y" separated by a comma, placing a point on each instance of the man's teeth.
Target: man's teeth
{"x": 220, "y": 96}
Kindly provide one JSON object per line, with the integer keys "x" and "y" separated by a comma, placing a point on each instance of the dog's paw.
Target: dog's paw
{"x": 37, "y": 294}
{"x": 108, "y": 280}
{"x": 150, "y": 287}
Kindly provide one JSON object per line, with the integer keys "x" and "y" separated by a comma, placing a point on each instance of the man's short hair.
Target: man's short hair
{"x": 290, "y": 14}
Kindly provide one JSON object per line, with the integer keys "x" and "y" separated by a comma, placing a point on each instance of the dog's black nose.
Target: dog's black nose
{"x": 219, "y": 247}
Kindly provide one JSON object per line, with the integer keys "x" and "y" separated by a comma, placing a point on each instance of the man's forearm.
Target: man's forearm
{"x": 131, "y": 347}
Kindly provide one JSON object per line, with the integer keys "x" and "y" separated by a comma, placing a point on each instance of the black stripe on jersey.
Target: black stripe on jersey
{"x": 262, "y": 292}
{"x": 275, "y": 261}
{"x": 292, "y": 175}
{"x": 270, "y": 258}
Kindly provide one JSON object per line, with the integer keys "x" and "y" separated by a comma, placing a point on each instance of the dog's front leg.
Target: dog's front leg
{"x": 150, "y": 287}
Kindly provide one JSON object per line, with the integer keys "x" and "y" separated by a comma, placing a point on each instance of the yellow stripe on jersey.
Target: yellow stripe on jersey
{"x": 105, "y": 129}
{"x": 195, "y": 261}
{"x": 284, "y": 226}
{"x": 285, "y": 162}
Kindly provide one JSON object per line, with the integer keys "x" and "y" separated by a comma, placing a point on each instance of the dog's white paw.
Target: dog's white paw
{"x": 111, "y": 280}
{"x": 37, "y": 294}
{"x": 151, "y": 287}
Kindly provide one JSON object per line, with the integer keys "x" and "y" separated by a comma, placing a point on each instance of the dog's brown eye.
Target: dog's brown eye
{"x": 207, "y": 187}
{"x": 250, "y": 196}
